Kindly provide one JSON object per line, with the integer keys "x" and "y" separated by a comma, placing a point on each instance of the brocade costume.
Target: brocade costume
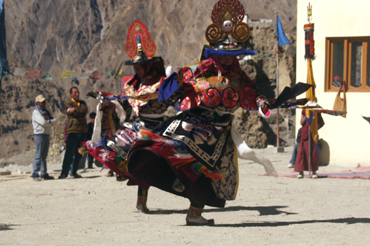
{"x": 194, "y": 154}
{"x": 198, "y": 143}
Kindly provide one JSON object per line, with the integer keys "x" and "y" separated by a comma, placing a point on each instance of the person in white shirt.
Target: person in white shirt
{"x": 42, "y": 121}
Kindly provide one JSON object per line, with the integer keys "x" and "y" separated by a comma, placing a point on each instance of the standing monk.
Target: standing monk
{"x": 307, "y": 145}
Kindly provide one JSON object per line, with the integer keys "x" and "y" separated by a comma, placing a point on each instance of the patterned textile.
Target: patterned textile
{"x": 224, "y": 173}
{"x": 114, "y": 161}
{"x": 112, "y": 150}
{"x": 44, "y": 112}
{"x": 204, "y": 133}
{"x": 227, "y": 187}
{"x": 309, "y": 41}
{"x": 140, "y": 95}
{"x": 177, "y": 155}
{"x": 110, "y": 120}
{"x": 204, "y": 126}
{"x": 230, "y": 90}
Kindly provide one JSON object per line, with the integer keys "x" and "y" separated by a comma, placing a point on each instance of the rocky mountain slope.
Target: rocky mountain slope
{"x": 84, "y": 35}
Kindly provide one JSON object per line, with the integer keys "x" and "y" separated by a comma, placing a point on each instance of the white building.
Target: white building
{"x": 342, "y": 38}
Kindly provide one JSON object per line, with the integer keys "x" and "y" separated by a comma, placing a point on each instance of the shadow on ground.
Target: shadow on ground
{"x": 287, "y": 223}
{"x": 13, "y": 177}
{"x": 271, "y": 210}
{"x": 6, "y": 227}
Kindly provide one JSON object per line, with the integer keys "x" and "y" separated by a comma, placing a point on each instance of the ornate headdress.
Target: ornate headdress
{"x": 227, "y": 17}
{"x": 139, "y": 47}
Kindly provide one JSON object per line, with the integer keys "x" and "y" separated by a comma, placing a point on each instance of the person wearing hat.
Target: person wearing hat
{"x": 137, "y": 107}
{"x": 77, "y": 129}
{"x": 42, "y": 120}
{"x": 194, "y": 154}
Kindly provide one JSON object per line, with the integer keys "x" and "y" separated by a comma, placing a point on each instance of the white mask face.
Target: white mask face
{"x": 227, "y": 26}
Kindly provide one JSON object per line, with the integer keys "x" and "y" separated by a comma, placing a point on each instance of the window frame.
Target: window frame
{"x": 347, "y": 59}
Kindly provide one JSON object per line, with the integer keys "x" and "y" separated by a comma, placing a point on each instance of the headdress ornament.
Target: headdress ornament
{"x": 139, "y": 47}
{"x": 227, "y": 17}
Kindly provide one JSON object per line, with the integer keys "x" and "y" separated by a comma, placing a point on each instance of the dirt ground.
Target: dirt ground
{"x": 97, "y": 210}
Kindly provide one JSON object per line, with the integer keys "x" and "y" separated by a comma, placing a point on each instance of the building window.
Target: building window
{"x": 348, "y": 59}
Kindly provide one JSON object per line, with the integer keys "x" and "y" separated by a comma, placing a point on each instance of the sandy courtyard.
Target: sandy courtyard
{"x": 97, "y": 210}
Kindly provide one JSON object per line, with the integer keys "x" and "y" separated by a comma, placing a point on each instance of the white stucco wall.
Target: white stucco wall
{"x": 348, "y": 138}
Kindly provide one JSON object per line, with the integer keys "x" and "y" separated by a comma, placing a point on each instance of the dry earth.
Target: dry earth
{"x": 97, "y": 210}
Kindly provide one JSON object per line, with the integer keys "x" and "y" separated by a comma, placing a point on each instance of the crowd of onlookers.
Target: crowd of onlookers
{"x": 76, "y": 131}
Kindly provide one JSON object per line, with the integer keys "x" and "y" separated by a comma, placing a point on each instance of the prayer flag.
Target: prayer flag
{"x": 111, "y": 74}
{"x": 47, "y": 76}
{"x": 266, "y": 55}
{"x": 20, "y": 71}
{"x": 121, "y": 74}
{"x": 75, "y": 80}
{"x": 95, "y": 75}
{"x": 86, "y": 75}
{"x": 33, "y": 73}
{"x": 247, "y": 57}
{"x": 280, "y": 35}
{"x": 256, "y": 57}
{"x": 66, "y": 74}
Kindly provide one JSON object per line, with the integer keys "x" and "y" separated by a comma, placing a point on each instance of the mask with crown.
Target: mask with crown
{"x": 227, "y": 17}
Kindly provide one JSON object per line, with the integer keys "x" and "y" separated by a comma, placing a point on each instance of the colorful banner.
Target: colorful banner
{"x": 121, "y": 74}
{"x": 311, "y": 117}
{"x": 47, "y": 76}
{"x": 33, "y": 73}
{"x": 111, "y": 74}
{"x": 280, "y": 35}
{"x": 20, "y": 71}
{"x": 95, "y": 75}
{"x": 309, "y": 42}
{"x": 66, "y": 74}
{"x": 85, "y": 75}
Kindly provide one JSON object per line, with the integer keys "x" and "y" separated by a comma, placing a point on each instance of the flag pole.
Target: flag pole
{"x": 277, "y": 93}
{"x": 115, "y": 77}
{"x": 278, "y": 148}
{"x": 309, "y": 151}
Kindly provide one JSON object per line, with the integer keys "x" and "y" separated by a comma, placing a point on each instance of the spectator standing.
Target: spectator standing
{"x": 307, "y": 149}
{"x": 77, "y": 129}
{"x": 294, "y": 154}
{"x": 90, "y": 126}
{"x": 41, "y": 122}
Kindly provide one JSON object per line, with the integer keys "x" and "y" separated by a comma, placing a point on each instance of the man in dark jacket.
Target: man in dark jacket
{"x": 77, "y": 128}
